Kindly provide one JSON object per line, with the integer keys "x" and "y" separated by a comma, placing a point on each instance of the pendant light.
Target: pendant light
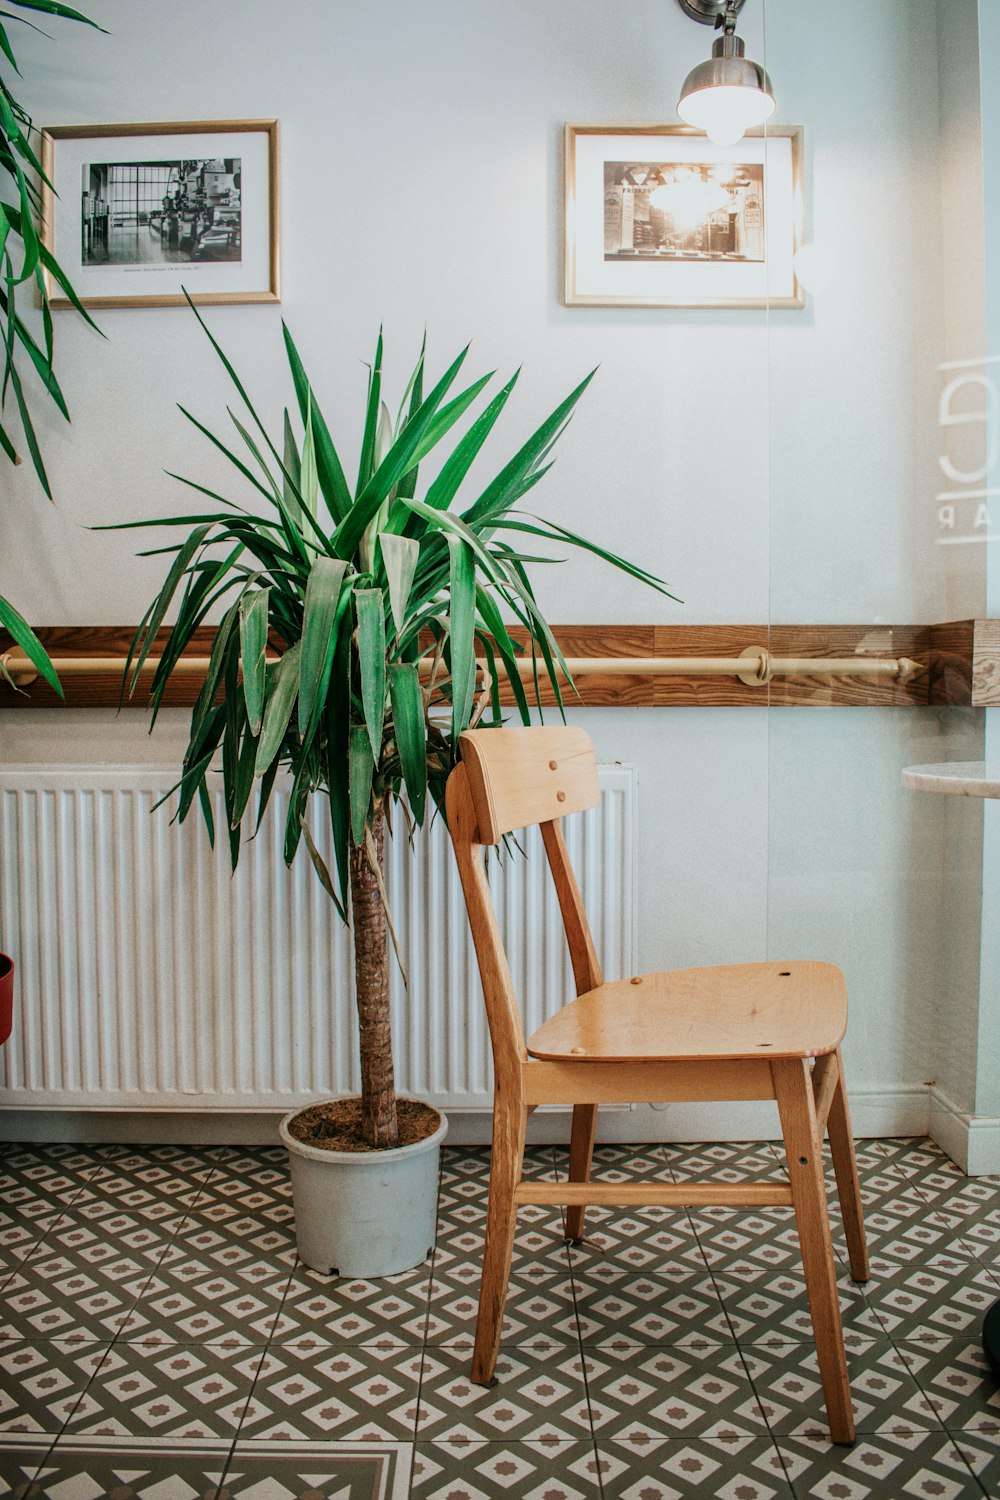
{"x": 729, "y": 94}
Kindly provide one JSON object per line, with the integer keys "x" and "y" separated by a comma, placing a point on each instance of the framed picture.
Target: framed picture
{"x": 657, "y": 216}
{"x": 140, "y": 211}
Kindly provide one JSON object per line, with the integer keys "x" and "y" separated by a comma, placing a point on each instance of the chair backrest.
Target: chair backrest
{"x": 522, "y": 776}
{"x": 510, "y": 779}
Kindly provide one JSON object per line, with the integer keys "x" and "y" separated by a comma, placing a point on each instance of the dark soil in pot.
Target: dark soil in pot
{"x": 335, "y": 1125}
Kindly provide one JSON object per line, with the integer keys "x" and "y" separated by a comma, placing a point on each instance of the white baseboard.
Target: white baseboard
{"x": 875, "y": 1112}
{"x": 972, "y": 1141}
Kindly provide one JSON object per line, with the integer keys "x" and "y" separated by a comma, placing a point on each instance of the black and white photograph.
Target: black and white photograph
{"x": 132, "y": 213}
{"x": 660, "y": 216}
{"x": 145, "y": 215}
{"x": 684, "y": 210}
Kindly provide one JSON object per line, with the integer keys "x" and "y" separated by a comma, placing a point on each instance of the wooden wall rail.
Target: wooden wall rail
{"x": 959, "y": 660}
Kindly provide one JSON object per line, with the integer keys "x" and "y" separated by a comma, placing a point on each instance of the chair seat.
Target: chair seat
{"x": 796, "y": 1009}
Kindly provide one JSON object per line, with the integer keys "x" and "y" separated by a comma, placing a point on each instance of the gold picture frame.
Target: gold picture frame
{"x": 621, "y": 251}
{"x": 162, "y": 206}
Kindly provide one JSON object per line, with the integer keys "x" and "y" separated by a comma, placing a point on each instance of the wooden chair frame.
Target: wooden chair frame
{"x": 810, "y": 1093}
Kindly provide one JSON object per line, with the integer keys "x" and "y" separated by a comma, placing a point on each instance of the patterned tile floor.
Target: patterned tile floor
{"x": 160, "y": 1341}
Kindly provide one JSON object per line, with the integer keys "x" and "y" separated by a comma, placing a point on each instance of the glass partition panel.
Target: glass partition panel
{"x": 878, "y": 455}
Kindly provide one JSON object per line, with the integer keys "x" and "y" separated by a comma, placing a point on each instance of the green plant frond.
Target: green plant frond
{"x": 309, "y": 474}
{"x": 399, "y": 559}
{"x": 458, "y": 463}
{"x": 527, "y": 457}
{"x": 541, "y": 633}
{"x": 452, "y": 525}
{"x": 361, "y": 769}
{"x": 237, "y": 463}
{"x": 162, "y": 602}
{"x": 41, "y": 359}
{"x": 506, "y": 650}
{"x": 414, "y": 393}
{"x": 24, "y": 637}
{"x": 461, "y": 631}
{"x": 372, "y": 407}
{"x": 202, "y": 593}
{"x": 332, "y": 482}
{"x": 410, "y": 731}
{"x": 347, "y": 538}
{"x": 319, "y": 865}
{"x": 370, "y": 608}
{"x": 7, "y": 50}
{"x": 446, "y": 418}
{"x": 28, "y": 429}
{"x": 554, "y": 532}
{"x": 280, "y": 691}
{"x": 205, "y": 700}
{"x": 253, "y": 646}
{"x": 318, "y": 636}
{"x": 54, "y": 8}
{"x": 293, "y": 467}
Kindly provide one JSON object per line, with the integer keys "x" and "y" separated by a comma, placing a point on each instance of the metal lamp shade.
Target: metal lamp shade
{"x": 726, "y": 95}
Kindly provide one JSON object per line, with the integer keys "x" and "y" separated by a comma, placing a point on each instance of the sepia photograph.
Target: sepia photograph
{"x": 143, "y": 215}
{"x": 684, "y": 210}
{"x": 179, "y": 211}
{"x": 660, "y": 216}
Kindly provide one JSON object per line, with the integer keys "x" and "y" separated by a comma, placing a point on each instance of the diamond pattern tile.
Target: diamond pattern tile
{"x": 766, "y": 1308}
{"x": 886, "y": 1395}
{"x": 53, "y": 1298}
{"x": 338, "y": 1310}
{"x": 539, "y": 1305}
{"x": 658, "y": 1241}
{"x": 540, "y": 1396}
{"x": 179, "y": 1391}
{"x": 624, "y": 1308}
{"x": 944, "y": 1295}
{"x": 355, "y": 1393}
{"x": 957, "y": 1382}
{"x": 37, "y": 1186}
{"x": 639, "y": 1394}
{"x": 747, "y": 1468}
{"x": 160, "y": 1341}
{"x": 912, "y": 1466}
{"x": 41, "y": 1383}
{"x": 982, "y": 1455}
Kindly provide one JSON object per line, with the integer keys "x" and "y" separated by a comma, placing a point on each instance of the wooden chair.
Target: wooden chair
{"x": 736, "y": 1031}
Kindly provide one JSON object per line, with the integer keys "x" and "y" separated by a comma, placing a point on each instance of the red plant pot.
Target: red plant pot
{"x": 6, "y": 997}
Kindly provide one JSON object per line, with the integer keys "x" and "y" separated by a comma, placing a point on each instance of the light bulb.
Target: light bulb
{"x": 725, "y": 112}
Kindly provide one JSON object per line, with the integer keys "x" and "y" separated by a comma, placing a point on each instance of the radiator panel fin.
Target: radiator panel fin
{"x": 148, "y": 977}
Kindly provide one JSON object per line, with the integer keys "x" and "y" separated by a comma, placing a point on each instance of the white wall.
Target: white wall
{"x": 769, "y": 465}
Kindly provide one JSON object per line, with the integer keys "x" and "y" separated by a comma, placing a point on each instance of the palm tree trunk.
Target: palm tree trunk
{"x": 371, "y": 969}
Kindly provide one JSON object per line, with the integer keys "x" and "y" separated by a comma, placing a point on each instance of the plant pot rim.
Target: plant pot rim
{"x": 393, "y": 1153}
{"x": 6, "y": 964}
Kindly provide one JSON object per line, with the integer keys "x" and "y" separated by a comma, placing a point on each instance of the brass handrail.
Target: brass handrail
{"x": 755, "y": 666}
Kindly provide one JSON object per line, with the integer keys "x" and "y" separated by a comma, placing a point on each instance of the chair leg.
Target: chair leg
{"x": 506, "y": 1165}
{"x": 796, "y": 1106}
{"x": 581, "y": 1153}
{"x": 845, "y": 1166}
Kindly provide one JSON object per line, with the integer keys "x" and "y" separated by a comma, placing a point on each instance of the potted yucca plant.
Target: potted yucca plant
{"x": 386, "y": 619}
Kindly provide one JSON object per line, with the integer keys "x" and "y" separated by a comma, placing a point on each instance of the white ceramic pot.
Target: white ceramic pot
{"x": 365, "y": 1213}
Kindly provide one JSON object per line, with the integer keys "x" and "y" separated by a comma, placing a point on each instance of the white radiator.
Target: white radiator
{"x": 147, "y": 977}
